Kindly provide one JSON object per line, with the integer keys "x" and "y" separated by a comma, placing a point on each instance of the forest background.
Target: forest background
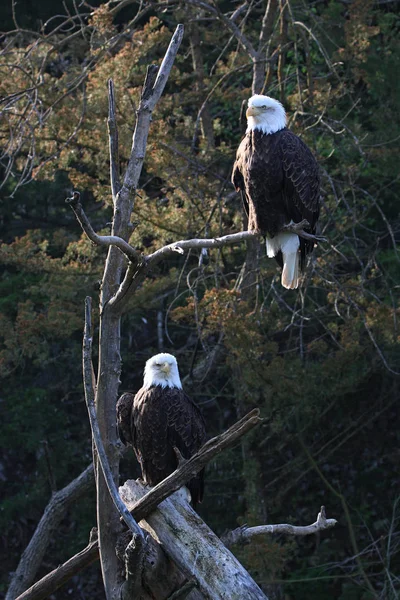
{"x": 321, "y": 363}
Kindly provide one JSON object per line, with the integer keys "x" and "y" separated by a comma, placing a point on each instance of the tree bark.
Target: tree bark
{"x": 191, "y": 544}
{"x": 54, "y": 580}
{"x": 109, "y": 368}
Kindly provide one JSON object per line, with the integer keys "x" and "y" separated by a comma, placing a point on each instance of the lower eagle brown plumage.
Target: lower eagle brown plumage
{"x": 156, "y": 420}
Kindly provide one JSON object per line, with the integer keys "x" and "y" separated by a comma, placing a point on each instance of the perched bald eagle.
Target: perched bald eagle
{"x": 159, "y": 417}
{"x": 278, "y": 178}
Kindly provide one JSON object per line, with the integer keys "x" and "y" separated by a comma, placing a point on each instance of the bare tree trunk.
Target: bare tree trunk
{"x": 108, "y": 522}
{"x": 109, "y": 367}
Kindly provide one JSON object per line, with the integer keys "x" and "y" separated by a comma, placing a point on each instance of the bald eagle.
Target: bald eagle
{"x": 157, "y": 419}
{"x": 278, "y": 178}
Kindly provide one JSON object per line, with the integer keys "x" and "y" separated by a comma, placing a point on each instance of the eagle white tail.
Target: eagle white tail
{"x": 288, "y": 244}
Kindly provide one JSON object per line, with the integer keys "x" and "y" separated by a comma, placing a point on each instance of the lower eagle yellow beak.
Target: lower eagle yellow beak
{"x": 252, "y": 111}
{"x": 165, "y": 368}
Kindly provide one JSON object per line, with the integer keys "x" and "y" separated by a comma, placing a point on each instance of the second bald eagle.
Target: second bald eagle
{"x": 159, "y": 418}
{"x": 278, "y": 178}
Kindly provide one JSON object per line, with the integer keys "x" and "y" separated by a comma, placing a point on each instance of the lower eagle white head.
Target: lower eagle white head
{"x": 162, "y": 369}
{"x": 265, "y": 113}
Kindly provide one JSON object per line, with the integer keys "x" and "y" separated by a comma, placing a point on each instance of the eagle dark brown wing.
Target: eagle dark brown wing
{"x": 237, "y": 176}
{"x": 161, "y": 419}
{"x": 302, "y": 183}
{"x": 278, "y": 177}
{"x": 124, "y": 416}
{"x": 301, "y": 186}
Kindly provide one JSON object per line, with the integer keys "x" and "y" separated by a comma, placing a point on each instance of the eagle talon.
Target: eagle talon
{"x": 295, "y": 227}
{"x": 298, "y": 228}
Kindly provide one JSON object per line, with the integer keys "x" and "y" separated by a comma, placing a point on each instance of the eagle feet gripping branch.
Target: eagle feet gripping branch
{"x": 278, "y": 178}
{"x": 299, "y": 228}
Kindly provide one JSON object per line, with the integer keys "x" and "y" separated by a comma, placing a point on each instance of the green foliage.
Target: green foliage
{"x": 320, "y": 363}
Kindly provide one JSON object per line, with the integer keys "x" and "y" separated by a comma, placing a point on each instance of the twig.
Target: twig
{"x": 89, "y": 397}
{"x": 244, "y": 534}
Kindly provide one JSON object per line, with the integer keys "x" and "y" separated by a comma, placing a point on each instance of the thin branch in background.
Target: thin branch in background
{"x": 347, "y": 515}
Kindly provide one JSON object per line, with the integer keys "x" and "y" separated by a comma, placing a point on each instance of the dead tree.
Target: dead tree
{"x": 125, "y": 269}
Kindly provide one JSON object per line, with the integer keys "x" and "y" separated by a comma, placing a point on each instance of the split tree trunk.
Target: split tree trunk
{"x": 194, "y": 548}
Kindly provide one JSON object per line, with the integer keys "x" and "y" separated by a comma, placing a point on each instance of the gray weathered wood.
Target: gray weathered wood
{"x": 109, "y": 362}
{"x": 191, "y": 544}
{"x": 55, "y": 511}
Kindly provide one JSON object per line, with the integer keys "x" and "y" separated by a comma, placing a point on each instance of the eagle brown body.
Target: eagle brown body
{"x": 156, "y": 420}
{"x": 279, "y": 180}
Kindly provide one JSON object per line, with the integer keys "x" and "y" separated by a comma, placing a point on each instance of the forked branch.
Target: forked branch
{"x": 101, "y": 240}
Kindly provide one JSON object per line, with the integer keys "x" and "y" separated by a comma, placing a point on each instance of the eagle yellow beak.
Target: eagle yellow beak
{"x": 252, "y": 111}
{"x": 165, "y": 368}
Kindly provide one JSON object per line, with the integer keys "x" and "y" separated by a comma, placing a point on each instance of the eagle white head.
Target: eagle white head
{"x": 265, "y": 113}
{"x": 162, "y": 369}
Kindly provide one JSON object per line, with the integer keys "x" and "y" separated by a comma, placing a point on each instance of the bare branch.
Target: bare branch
{"x": 136, "y": 273}
{"x": 244, "y": 534}
{"x": 55, "y": 511}
{"x": 113, "y": 141}
{"x": 189, "y": 468}
{"x": 147, "y": 104}
{"x": 63, "y": 573}
{"x": 166, "y": 66}
{"x": 89, "y": 397}
{"x": 182, "y": 245}
{"x": 100, "y": 240}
